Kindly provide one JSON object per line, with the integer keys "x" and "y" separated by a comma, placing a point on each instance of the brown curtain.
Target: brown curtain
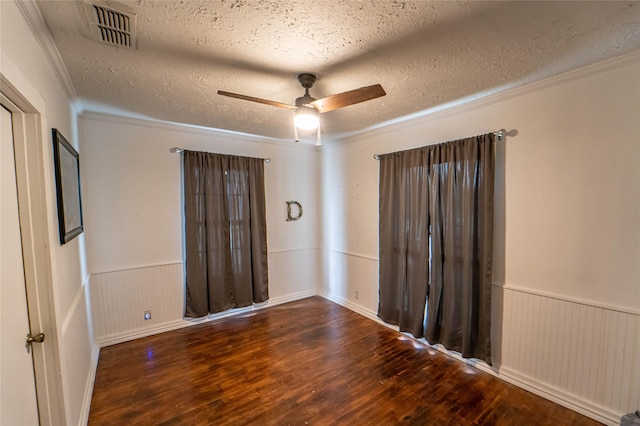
{"x": 225, "y": 232}
{"x": 436, "y": 243}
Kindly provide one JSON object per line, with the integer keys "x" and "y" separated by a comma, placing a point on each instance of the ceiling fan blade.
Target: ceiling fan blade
{"x": 258, "y": 100}
{"x": 351, "y": 97}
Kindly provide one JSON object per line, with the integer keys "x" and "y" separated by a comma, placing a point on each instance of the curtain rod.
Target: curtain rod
{"x": 499, "y": 133}
{"x": 175, "y": 150}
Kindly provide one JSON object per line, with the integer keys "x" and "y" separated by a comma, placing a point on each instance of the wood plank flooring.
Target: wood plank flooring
{"x": 309, "y": 362}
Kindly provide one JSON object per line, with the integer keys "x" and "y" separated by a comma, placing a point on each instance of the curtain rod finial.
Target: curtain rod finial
{"x": 503, "y": 132}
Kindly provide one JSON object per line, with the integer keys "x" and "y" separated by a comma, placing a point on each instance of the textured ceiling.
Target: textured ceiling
{"x": 424, "y": 53}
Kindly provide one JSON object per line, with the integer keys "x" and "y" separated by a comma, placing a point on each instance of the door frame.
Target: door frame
{"x": 29, "y": 133}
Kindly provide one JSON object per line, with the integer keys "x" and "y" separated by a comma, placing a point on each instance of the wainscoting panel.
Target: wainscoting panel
{"x": 293, "y": 271}
{"x": 589, "y": 353}
{"x": 79, "y": 357}
{"x": 120, "y": 298}
{"x": 353, "y": 278}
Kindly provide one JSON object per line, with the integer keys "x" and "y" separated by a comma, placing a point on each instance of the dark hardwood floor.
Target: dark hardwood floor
{"x": 306, "y": 362}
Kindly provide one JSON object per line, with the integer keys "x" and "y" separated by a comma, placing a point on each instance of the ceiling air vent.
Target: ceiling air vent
{"x": 110, "y": 25}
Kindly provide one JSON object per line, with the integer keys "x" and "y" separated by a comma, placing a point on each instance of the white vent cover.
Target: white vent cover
{"x": 110, "y": 25}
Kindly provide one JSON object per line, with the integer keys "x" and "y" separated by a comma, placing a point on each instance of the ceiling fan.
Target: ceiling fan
{"x": 307, "y": 108}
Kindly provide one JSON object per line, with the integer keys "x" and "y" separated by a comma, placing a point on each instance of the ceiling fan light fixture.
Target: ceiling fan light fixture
{"x": 306, "y": 118}
{"x": 307, "y": 108}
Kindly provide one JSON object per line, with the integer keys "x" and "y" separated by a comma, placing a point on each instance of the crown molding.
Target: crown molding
{"x": 38, "y": 26}
{"x": 488, "y": 97}
{"x": 135, "y": 120}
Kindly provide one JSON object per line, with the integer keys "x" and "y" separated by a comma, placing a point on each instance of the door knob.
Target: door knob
{"x": 38, "y": 338}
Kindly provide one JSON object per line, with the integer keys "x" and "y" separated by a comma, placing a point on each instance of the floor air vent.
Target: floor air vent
{"x": 110, "y": 25}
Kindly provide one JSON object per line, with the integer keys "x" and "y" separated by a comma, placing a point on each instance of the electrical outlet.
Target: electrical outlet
{"x": 147, "y": 315}
{"x": 357, "y": 295}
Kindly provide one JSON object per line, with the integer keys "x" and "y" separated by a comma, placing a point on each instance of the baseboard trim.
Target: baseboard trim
{"x": 88, "y": 389}
{"x": 559, "y": 397}
{"x": 352, "y": 306}
{"x": 524, "y": 382}
{"x": 126, "y": 336}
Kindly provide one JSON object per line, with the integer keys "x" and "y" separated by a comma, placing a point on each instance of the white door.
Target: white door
{"x": 18, "y": 405}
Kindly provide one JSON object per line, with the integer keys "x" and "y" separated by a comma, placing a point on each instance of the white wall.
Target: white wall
{"x": 567, "y": 281}
{"x": 133, "y": 213}
{"x": 26, "y": 65}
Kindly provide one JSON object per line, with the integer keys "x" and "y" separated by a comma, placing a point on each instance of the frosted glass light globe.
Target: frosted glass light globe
{"x": 306, "y": 119}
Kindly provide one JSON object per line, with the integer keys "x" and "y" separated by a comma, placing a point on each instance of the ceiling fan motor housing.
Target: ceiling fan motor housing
{"x": 307, "y": 80}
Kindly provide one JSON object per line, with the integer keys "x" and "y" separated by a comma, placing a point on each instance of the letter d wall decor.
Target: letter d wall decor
{"x": 289, "y": 216}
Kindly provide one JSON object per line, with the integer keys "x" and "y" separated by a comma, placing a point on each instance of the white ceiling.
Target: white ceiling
{"x": 424, "y": 53}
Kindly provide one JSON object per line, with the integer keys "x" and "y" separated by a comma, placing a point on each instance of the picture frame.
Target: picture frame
{"x": 67, "y": 171}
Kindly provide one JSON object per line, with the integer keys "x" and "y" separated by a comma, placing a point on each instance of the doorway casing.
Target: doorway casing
{"x": 27, "y": 107}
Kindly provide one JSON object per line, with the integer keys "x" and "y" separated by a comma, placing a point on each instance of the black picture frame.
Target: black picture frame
{"x": 67, "y": 170}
